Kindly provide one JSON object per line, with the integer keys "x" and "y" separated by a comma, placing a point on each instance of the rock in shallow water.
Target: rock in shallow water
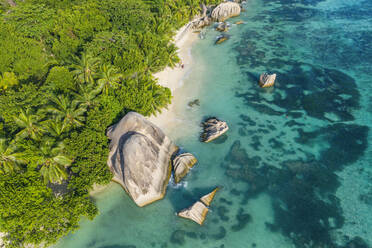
{"x": 267, "y": 80}
{"x": 221, "y": 38}
{"x": 212, "y": 129}
{"x": 208, "y": 198}
{"x": 198, "y": 211}
{"x": 140, "y": 158}
{"x": 222, "y": 27}
{"x": 182, "y": 164}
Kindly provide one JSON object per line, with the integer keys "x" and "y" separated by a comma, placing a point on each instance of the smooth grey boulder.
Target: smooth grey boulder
{"x": 225, "y": 11}
{"x": 140, "y": 158}
{"x": 212, "y": 129}
{"x": 182, "y": 164}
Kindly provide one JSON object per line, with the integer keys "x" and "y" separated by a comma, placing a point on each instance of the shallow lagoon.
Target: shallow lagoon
{"x": 295, "y": 166}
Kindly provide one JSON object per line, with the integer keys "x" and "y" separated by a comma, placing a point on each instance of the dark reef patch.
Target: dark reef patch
{"x": 326, "y": 94}
{"x": 222, "y": 212}
{"x": 357, "y": 242}
{"x": 347, "y": 143}
{"x": 243, "y": 219}
{"x": 178, "y": 237}
{"x": 221, "y": 234}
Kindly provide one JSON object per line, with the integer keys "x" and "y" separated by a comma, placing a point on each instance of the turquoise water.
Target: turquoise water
{"x": 296, "y": 166}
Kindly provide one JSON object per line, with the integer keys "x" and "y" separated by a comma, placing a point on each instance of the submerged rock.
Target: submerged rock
{"x": 182, "y": 164}
{"x": 225, "y": 10}
{"x": 194, "y": 102}
{"x": 140, "y": 158}
{"x": 208, "y": 198}
{"x": 239, "y": 22}
{"x": 267, "y": 80}
{"x": 197, "y": 212}
{"x": 213, "y": 128}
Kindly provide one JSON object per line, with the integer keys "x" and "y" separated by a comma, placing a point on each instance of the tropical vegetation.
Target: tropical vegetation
{"x": 68, "y": 70}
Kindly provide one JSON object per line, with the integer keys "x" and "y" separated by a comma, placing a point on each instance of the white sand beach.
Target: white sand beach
{"x": 172, "y": 118}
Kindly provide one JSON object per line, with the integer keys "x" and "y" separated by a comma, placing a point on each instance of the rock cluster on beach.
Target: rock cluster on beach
{"x": 140, "y": 155}
{"x": 219, "y": 13}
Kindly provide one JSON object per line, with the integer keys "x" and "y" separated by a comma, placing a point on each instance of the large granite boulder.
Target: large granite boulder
{"x": 140, "y": 158}
{"x": 267, "y": 80}
{"x": 182, "y": 164}
{"x": 199, "y": 210}
{"x": 212, "y": 129}
{"x": 225, "y": 10}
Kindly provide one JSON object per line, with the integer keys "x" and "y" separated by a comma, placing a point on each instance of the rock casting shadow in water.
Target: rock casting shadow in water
{"x": 181, "y": 198}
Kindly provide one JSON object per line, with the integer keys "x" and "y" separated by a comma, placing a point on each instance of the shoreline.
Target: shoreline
{"x": 173, "y": 79}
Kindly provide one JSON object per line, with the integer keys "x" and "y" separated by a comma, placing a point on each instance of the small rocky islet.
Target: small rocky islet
{"x": 142, "y": 159}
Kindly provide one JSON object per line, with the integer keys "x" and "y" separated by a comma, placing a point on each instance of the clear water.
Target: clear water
{"x": 295, "y": 166}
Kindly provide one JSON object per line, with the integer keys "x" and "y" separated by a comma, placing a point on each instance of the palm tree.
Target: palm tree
{"x": 29, "y": 124}
{"x": 161, "y": 97}
{"x": 85, "y": 68}
{"x": 86, "y": 96}
{"x": 108, "y": 78}
{"x": 55, "y": 127}
{"x": 173, "y": 56}
{"x": 53, "y": 163}
{"x": 70, "y": 112}
{"x": 193, "y": 8}
{"x": 9, "y": 159}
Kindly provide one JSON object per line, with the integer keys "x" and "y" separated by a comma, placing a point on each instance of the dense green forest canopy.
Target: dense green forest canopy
{"x": 68, "y": 70}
